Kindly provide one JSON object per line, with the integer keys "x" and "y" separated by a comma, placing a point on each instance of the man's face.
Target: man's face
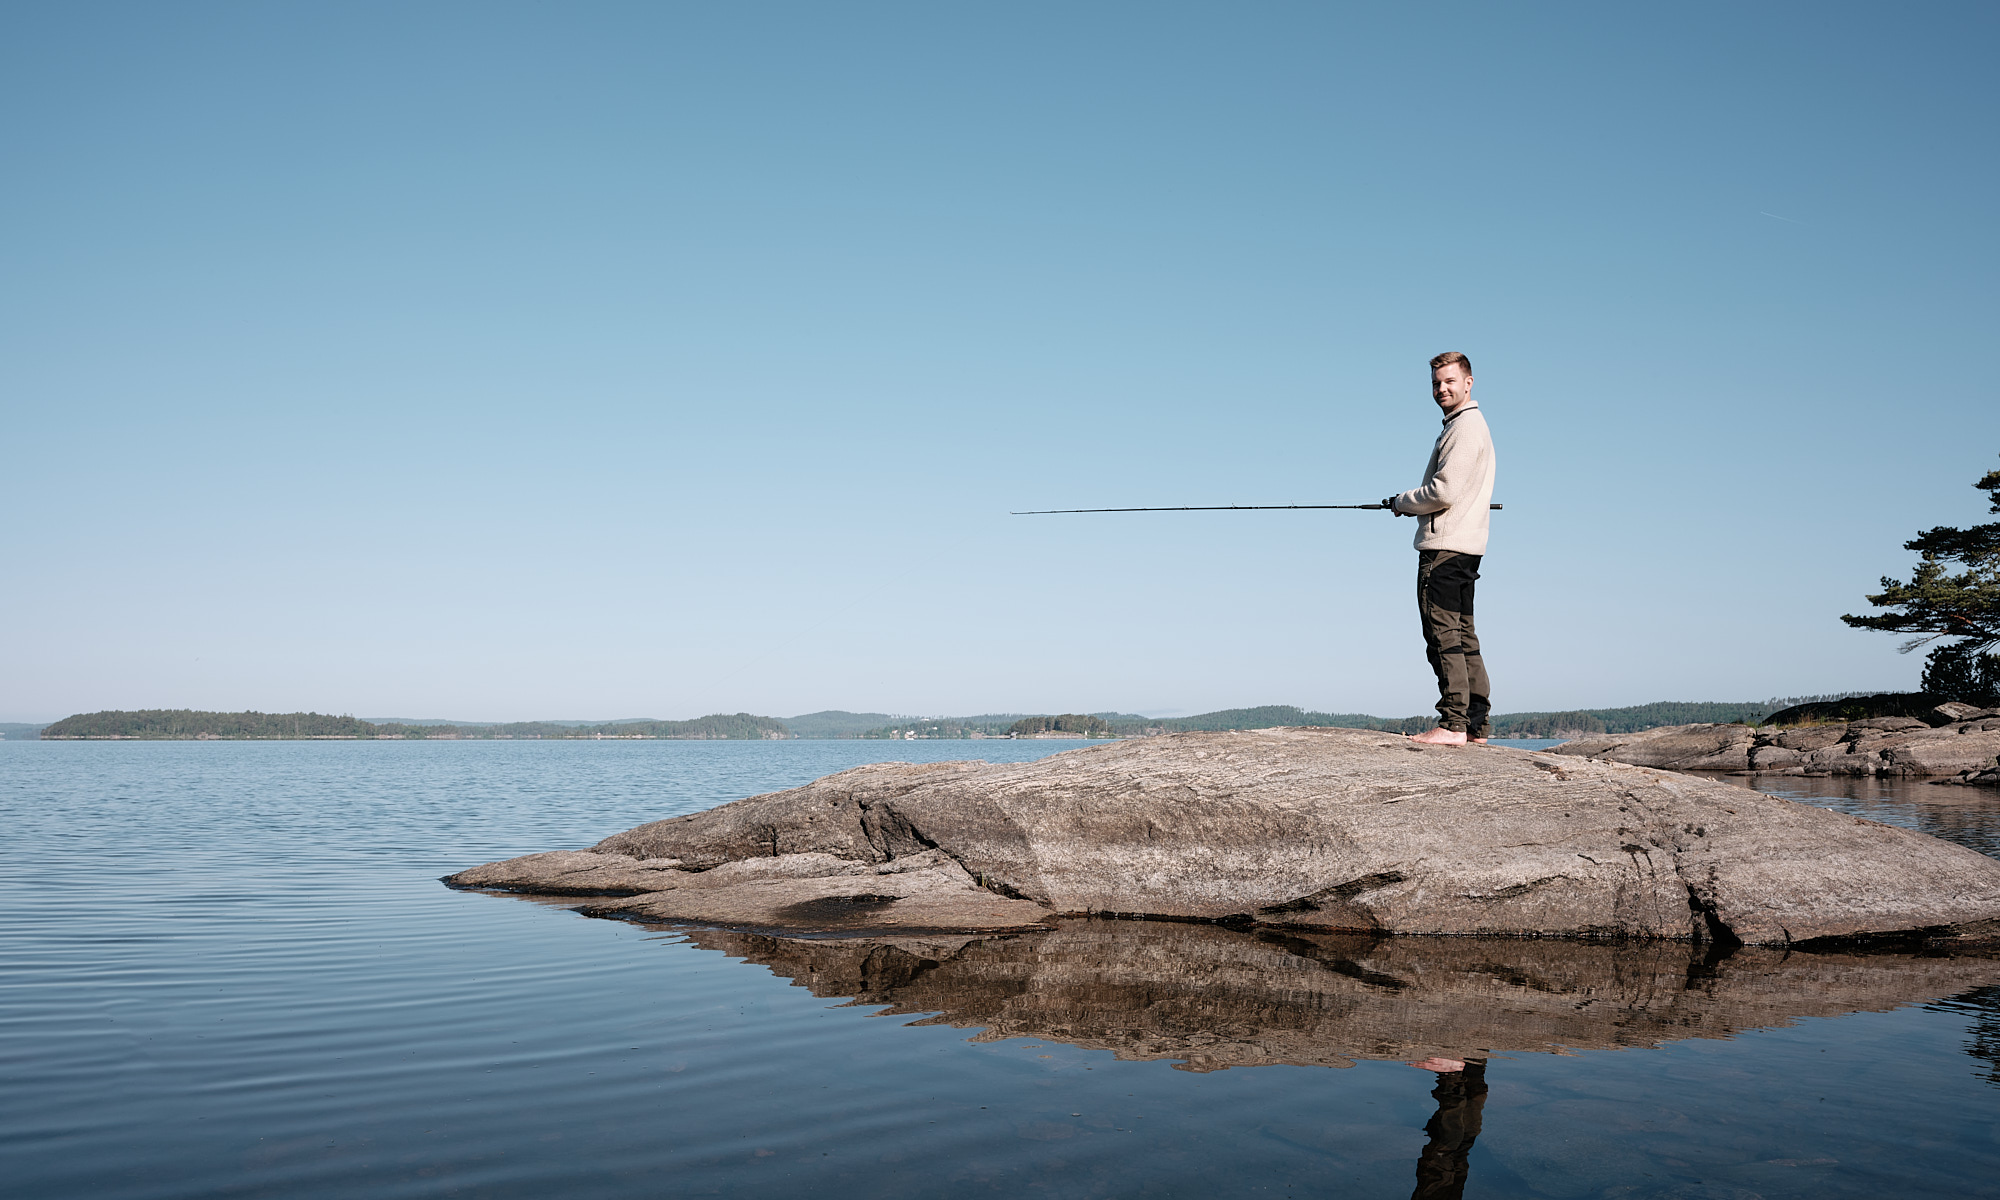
{"x": 1451, "y": 387}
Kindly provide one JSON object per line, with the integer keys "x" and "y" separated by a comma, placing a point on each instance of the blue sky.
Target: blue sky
{"x": 508, "y": 361}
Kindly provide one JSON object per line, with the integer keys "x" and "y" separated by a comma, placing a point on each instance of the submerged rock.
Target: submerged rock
{"x": 1951, "y": 744}
{"x": 1318, "y": 829}
{"x": 1214, "y": 997}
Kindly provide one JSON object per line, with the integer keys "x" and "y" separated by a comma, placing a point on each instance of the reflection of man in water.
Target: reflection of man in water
{"x": 1460, "y": 1093}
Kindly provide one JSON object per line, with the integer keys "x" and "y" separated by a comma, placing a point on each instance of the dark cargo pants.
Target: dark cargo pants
{"x": 1444, "y": 599}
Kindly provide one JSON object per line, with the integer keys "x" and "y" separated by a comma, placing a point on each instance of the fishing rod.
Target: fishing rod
{"x": 1045, "y": 512}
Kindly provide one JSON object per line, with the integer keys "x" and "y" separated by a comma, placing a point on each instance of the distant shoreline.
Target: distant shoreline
{"x": 838, "y": 725}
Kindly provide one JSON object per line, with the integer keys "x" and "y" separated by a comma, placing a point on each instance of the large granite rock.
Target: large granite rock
{"x": 1214, "y": 997}
{"x": 1966, "y": 740}
{"x": 1326, "y": 829}
{"x": 1986, "y": 776}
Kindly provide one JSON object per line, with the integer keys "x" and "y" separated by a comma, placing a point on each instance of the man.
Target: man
{"x": 1452, "y": 511}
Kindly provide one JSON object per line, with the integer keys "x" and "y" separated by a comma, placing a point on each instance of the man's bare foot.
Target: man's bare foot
{"x": 1478, "y": 741}
{"x": 1444, "y": 1066}
{"x": 1439, "y": 737}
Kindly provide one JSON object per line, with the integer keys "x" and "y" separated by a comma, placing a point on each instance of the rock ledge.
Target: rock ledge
{"x": 1319, "y": 829}
{"x": 1958, "y": 740}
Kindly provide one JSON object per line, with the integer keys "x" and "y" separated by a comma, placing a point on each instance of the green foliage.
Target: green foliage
{"x": 1935, "y": 602}
{"x": 1856, "y": 707}
{"x": 177, "y": 723}
{"x": 1066, "y": 723}
{"x": 715, "y": 726}
{"x": 1626, "y": 720}
{"x": 1957, "y": 672}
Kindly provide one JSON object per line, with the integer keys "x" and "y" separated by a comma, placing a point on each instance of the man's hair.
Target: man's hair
{"x": 1448, "y": 358}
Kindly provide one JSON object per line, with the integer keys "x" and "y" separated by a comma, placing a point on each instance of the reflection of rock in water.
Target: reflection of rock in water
{"x": 1217, "y": 997}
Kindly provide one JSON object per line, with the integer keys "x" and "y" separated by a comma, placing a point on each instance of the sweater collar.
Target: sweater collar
{"x": 1461, "y": 412}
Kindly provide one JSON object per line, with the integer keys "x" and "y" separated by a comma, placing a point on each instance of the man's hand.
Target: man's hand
{"x": 1390, "y": 504}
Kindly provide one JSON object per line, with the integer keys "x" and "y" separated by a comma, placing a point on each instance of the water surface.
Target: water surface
{"x": 228, "y": 969}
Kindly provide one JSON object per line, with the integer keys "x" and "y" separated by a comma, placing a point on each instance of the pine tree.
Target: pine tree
{"x": 1938, "y": 604}
{"x": 1956, "y": 673}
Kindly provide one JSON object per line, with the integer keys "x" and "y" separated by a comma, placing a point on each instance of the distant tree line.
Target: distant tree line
{"x": 179, "y": 723}
{"x": 168, "y": 724}
{"x": 1856, "y": 707}
{"x": 1081, "y": 723}
{"x": 1507, "y": 725}
{"x": 934, "y": 727}
{"x": 1626, "y": 720}
{"x": 715, "y": 727}
{"x": 1515, "y": 725}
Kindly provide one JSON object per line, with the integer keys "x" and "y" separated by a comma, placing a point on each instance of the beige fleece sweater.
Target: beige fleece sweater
{"x": 1451, "y": 507}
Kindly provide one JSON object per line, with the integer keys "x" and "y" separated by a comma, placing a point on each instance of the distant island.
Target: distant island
{"x": 180, "y": 724}
{"x": 161, "y": 724}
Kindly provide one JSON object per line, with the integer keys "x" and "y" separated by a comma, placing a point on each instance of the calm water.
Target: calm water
{"x": 229, "y": 970}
